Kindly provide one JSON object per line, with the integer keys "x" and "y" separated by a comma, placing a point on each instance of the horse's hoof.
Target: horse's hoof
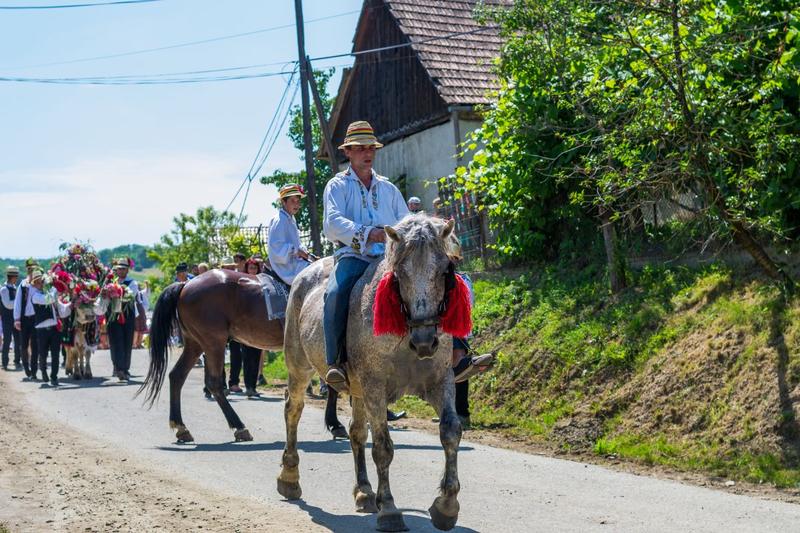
{"x": 76, "y": 377}
{"x": 88, "y": 375}
{"x": 339, "y": 433}
{"x": 365, "y": 502}
{"x": 391, "y": 522}
{"x": 440, "y": 520}
{"x": 242, "y": 435}
{"x": 184, "y": 437}
{"x": 289, "y": 490}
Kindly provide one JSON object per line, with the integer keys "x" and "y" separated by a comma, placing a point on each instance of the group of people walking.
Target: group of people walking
{"x": 33, "y": 320}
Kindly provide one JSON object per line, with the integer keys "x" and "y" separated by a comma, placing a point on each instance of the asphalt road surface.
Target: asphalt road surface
{"x": 501, "y": 490}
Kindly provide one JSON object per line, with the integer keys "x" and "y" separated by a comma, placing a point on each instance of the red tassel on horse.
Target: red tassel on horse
{"x": 457, "y": 318}
{"x": 387, "y": 314}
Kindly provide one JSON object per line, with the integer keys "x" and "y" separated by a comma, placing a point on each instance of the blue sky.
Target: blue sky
{"x": 114, "y": 164}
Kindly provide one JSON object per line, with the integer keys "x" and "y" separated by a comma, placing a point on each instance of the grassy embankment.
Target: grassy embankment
{"x": 696, "y": 369}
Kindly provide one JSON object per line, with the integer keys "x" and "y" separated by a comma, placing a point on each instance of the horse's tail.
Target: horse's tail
{"x": 165, "y": 316}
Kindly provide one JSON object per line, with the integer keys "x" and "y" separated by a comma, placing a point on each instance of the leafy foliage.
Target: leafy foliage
{"x": 190, "y": 241}
{"x": 605, "y": 104}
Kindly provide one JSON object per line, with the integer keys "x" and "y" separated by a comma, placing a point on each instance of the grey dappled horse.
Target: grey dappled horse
{"x": 380, "y": 369}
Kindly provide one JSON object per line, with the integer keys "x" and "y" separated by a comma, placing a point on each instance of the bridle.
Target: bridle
{"x": 449, "y": 284}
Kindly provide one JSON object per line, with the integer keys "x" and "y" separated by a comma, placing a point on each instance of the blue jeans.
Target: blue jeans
{"x": 346, "y": 272}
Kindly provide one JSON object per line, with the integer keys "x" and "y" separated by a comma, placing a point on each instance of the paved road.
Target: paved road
{"x": 501, "y": 490}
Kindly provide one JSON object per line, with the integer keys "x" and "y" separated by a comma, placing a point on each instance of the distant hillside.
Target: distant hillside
{"x": 137, "y": 252}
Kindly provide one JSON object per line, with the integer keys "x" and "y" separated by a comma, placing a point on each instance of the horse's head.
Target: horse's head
{"x": 83, "y": 314}
{"x": 417, "y": 253}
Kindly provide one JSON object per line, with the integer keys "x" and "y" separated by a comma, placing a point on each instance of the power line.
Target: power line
{"x": 405, "y": 45}
{"x": 249, "y": 177}
{"x": 136, "y": 80}
{"x": 276, "y": 135}
{"x": 179, "y": 45}
{"x": 271, "y": 124}
{"x": 133, "y": 81}
{"x": 93, "y": 4}
{"x": 277, "y": 132}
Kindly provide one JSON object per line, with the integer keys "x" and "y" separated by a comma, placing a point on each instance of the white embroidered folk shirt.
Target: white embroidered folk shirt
{"x": 351, "y": 211}
{"x": 283, "y": 246}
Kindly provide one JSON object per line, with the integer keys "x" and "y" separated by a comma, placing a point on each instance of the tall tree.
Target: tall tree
{"x": 191, "y": 240}
{"x": 623, "y": 101}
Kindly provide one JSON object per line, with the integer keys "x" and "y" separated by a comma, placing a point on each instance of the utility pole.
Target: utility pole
{"x": 305, "y": 75}
{"x": 323, "y": 122}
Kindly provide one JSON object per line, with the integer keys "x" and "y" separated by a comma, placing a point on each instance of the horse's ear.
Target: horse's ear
{"x": 392, "y": 233}
{"x": 448, "y": 228}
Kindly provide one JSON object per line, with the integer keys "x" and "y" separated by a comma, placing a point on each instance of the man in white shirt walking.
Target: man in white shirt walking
{"x": 48, "y": 310}
{"x": 358, "y": 203}
{"x": 8, "y": 292}
{"x": 24, "y": 322}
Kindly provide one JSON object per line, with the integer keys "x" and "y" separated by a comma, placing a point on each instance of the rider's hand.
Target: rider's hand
{"x": 302, "y": 254}
{"x": 376, "y": 235}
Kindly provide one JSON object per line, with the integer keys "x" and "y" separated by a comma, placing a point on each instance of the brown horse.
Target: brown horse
{"x": 210, "y": 309}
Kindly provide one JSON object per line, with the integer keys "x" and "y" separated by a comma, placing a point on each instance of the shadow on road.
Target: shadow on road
{"x": 68, "y": 384}
{"x": 368, "y": 522}
{"x": 326, "y": 446}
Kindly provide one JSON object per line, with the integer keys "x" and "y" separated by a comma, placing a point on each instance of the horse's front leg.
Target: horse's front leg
{"x": 444, "y": 511}
{"x": 87, "y": 363}
{"x": 289, "y": 478}
{"x": 362, "y": 492}
{"x": 389, "y": 517}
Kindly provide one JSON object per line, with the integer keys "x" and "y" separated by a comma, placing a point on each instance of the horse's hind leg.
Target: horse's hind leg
{"x": 215, "y": 383}
{"x": 389, "y": 517}
{"x": 87, "y": 363}
{"x": 362, "y": 492}
{"x": 177, "y": 377}
{"x": 289, "y": 478}
{"x": 444, "y": 511}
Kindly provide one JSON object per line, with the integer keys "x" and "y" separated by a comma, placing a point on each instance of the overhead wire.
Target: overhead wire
{"x": 250, "y": 173}
{"x": 276, "y": 135}
{"x": 133, "y": 81}
{"x": 136, "y": 80}
{"x": 88, "y": 4}
{"x": 181, "y": 45}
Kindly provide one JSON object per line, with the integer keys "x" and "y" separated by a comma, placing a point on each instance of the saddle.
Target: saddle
{"x": 276, "y": 295}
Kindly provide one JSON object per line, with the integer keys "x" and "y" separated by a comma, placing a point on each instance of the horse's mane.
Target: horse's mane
{"x": 418, "y": 232}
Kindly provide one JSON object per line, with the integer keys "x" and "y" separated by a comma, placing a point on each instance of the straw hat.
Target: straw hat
{"x": 292, "y": 189}
{"x": 11, "y": 270}
{"x": 360, "y": 133}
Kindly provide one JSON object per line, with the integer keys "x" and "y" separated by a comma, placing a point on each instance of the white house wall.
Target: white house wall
{"x": 423, "y": 158}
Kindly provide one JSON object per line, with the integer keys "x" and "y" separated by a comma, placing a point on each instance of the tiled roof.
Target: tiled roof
{"x": 462, "y": 66}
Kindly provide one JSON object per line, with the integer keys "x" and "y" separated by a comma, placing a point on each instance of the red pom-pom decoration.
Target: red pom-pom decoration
{"x": 387, "y": 314}
{"x": 457, "y": 317}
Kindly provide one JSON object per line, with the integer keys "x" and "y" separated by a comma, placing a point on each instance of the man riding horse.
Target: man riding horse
{"x": 358, "y": 203}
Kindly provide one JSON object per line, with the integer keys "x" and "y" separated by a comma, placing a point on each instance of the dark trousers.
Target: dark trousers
{"x": 120, "y": 340}
{"x": 250, "y": 358}
{"x": 236, "y": 362}
{"x": 28, "y": 344}
{"x": 10, "y": 333}
{"x": 462, "y": 398}
{"x": 49, "y": 340}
